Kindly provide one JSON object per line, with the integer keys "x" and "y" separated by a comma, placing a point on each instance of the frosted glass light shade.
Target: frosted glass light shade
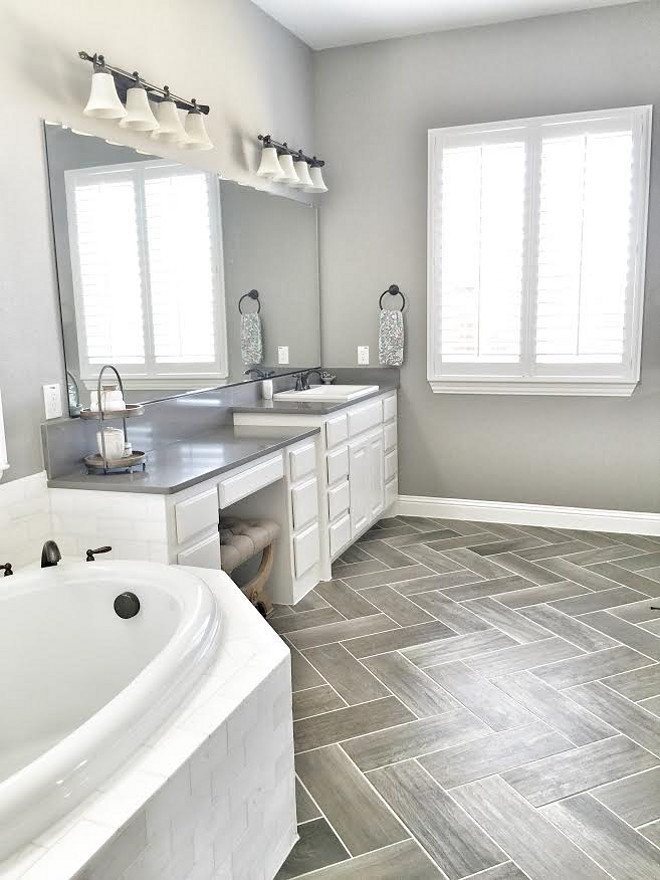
{"x": 198, "y": 139}
{"x": 170, "y": 128}
{"x": 139, "y": 115}
{"x": 270, "y": 164}
{"x": 302, "y": 170}
{"x": 103, "y": 100}
{"x": 318, "y": 184}
{"x": 288, "y": 171}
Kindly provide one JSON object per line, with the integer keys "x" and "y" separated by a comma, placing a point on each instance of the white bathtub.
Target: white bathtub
{"x": 80, "y": 687}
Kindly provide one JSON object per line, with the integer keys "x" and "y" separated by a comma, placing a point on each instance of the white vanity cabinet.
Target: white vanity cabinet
{"x": 357, "y": 472}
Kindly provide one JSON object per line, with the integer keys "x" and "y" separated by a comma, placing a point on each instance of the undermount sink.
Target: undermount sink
{"x": 327, "y": 393}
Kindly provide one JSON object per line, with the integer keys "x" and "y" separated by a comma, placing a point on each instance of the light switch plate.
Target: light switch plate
{"x": 282, "y": 354}
{"x": 52, "y": 401}
{"x": 363, "y": 354}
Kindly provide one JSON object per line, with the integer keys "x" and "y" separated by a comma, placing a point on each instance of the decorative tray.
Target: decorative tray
{"x": 97, "y": 464}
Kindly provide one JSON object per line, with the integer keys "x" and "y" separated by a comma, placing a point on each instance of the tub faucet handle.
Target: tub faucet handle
{"x": 90, "y": 554}
{"x": 7, "y": 569}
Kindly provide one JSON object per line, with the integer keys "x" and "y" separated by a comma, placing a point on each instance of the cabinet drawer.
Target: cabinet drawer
{"x": 306, "y": 552}
{"x": 391, "y": 492}
{"x": 305, "y": 503}
{"x": 338, "y": 500}
{"x": 340, "y": 534}
{"x": 389, "y": 433}
{"x": 337, "y": 465}
{"x": 205, "y": 554}
{"x": 250, "y": 480}
{"x": 336, "y": 430}
{"x": 390, "y": 465}
{"x": 389, "y": 408}
{"x": 363, "y": 417}
{"x": 302, "y": 461}
{"x": 196, "y": 514}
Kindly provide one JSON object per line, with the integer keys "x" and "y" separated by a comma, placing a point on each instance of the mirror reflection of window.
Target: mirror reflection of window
{"x": 146, "y": 254}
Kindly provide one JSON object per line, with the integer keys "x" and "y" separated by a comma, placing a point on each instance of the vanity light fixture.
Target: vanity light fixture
{"x": 280, "y": 163}
{"x": 149, "y": 108}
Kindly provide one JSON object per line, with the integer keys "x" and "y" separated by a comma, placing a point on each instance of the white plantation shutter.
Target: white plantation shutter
{"x": 146, "y": 247}
{"x": 536, "y": 254}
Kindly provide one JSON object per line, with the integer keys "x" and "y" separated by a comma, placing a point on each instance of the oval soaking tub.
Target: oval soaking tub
{"x": 80, "y": 687}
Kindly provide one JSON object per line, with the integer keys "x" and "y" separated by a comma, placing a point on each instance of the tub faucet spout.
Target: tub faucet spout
{"x": 50, "y": 554}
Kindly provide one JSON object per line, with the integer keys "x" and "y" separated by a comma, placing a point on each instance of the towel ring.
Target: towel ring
{"x": 393, "y": 289}
{"x": 251, "y": 294}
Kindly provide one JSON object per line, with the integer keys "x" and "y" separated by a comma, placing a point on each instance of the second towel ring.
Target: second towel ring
{"x": 251, "y": 294}
{"x": 393, "y": 290}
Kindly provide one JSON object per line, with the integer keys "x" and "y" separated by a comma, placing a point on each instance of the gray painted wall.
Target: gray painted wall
{"x": 374, "y": 105}
{"x": 255, "y": 75}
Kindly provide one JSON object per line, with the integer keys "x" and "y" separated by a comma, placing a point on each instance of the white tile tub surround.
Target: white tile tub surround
{"x": 24, "y": 519}
{"x": 4, "y": 463}
{"x": 211, "y": 796}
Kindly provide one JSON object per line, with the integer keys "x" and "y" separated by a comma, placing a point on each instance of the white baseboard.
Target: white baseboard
{"x": 625, "y": 521}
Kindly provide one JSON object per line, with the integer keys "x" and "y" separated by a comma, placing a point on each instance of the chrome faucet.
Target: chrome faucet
{"x": 302, "y": 379}
{"x": 50, "y": 554}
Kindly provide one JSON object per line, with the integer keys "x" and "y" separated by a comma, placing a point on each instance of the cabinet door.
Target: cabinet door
{"x": 376, "y": 454}
{"x": 359, "y": 479}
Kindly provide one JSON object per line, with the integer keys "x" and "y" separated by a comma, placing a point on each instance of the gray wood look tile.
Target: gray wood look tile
{"x": 651, "y": 705}
{"x": 529, "y": 570}
{"x": 453, "y": 840}
{"x": 568, "y": 628}
{"x": 396, "y": 606}
{"x": 487, "y": 588}
{"x": 431, "y": 524}
{"x": 551, "y": 551}
{"x": 638, "y": 612}
{"x": 322, "y": 730}
{"x": 545, "y": 593}
{"x": 641, "y": 726}
{"x": 403, "y": 860}
{"x": 600, "y": 601}
{"x": 641, "y": 561}
{"x": 507, "y": 871}
{"x": 610, "y": 842}
{"x": 586, "y": 577}
{"x": 640, "y": 542}
{"x": 510, "y": 545}
{"x": 349, "y": 678}
{"x": 290, "y": 623}
{"x": 454, "y": 615}
{"x": 591, "y": 667}
{"x": 437, "y": 582}
{"x": 519, "y": 657}
{"x": 389, "y": 555}
{"x": 634, "y": 799}
{"x": 306, "y": 809}
{"x": 354, "y": 810}
{"x": 434, "y": 560}
{"x": 303, "y": 674}
{"x": 540, "y": 850}
{"x": 513, "y": 623}
{"x": 347, "y": 602}
{"x": 421, "y": 694}
{"x": 477, "y": 563}
{"x": 638, "y": 684}
{"x": 395, "y": 640}
{"x": 419, "y": 737}
{"x": 352, "y": 569}
{"x": 314, "y": 701}
{"x": 553, "y": 707}
{"x": 378, "y": 533}
{"x": 651, "y": 832}
{"x": 436, "y": 535}
{"x": 601, "y": 554}
{"x": 495, "y": 753}
{"x": 344, "y": 629}
{"x": 569, "y": 773}
{"x": 594, "y": 539}
{"x": 653, "y": 627}
{"x": 317, "y": 847}
{"x": 617, "y": 572}
{"x": 388, "y": 576}
{"x": 311, "y": 602}
{"x": 480, "y": 696}
{"x": 353, "y": 554}
{"x": 627, "y": 633}
{"x": 458, "y": 648}
{"x": 462, "y": 541}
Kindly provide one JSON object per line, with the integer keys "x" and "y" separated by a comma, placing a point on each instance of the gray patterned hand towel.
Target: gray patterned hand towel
{"x": 252, "y": 349}
{"x": 391, "y": 338}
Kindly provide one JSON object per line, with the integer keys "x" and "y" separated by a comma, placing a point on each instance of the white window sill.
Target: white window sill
{"x": 570, "y": 388}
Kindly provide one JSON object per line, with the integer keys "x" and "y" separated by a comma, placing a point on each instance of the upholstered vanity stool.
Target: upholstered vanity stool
{"x": 240, "y": 540}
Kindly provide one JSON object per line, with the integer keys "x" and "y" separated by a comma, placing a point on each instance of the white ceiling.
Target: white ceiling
{"x": 325, "y": 23}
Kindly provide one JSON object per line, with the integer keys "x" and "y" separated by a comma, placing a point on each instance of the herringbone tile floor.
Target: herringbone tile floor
{"x": 479, "y": 700}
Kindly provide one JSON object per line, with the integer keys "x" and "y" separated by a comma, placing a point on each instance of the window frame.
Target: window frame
{"x": 549, "y": 379}
{"x": 151, "y": 375}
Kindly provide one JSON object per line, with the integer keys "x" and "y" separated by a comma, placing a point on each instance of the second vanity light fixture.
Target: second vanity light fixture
{"x": 147, "y": 107}
{"x": 284, "y": 165}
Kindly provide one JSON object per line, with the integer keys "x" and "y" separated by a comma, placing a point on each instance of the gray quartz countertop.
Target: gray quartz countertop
{"x": 188, "y": 462}
{"x": 298, "y": 408}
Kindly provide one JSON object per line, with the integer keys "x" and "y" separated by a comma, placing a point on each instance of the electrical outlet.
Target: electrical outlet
{"x": 282, "y": 354}
{"x": 52, "y": 401}
{"x": 363, "y": 354}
